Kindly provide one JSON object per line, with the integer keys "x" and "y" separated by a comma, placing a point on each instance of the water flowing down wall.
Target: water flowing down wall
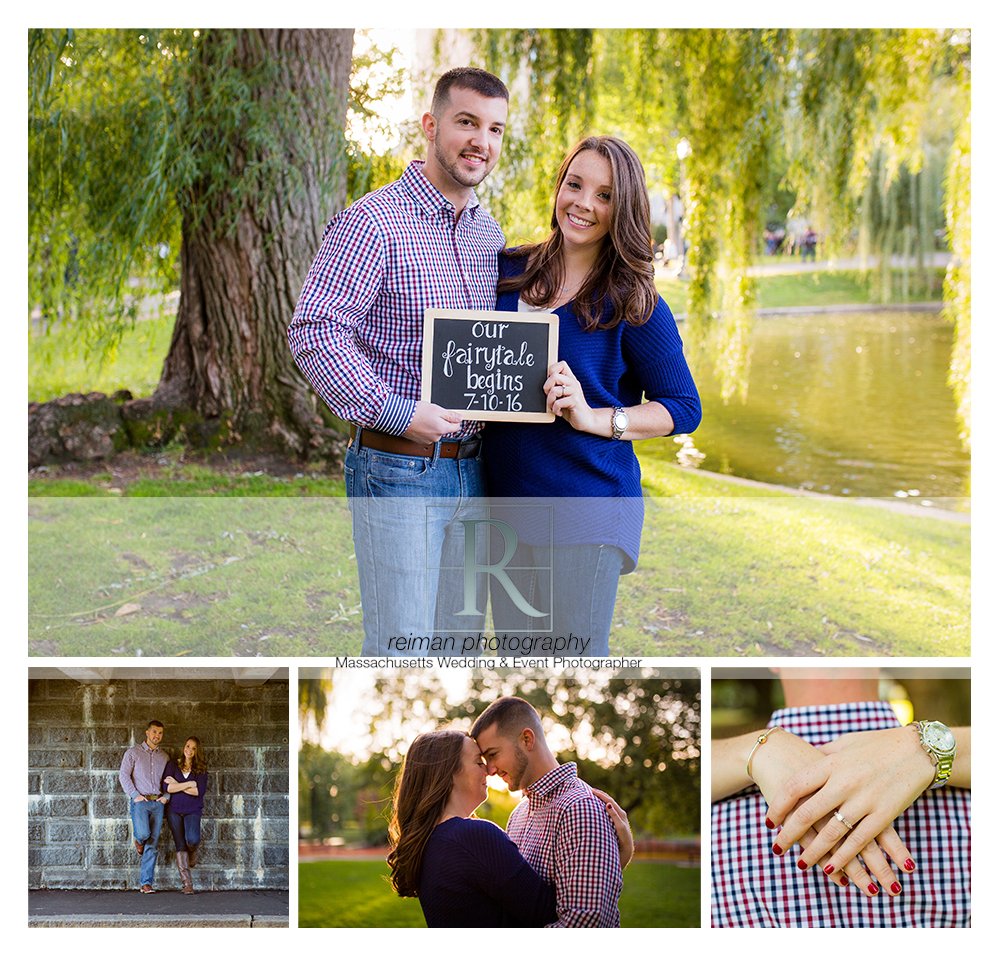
{"x": 79, "y": 834}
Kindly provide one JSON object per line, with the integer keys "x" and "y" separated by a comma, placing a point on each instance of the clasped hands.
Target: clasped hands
{"x": 868, "y": 777}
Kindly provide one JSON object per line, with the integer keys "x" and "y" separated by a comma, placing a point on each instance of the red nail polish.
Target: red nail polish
{"x": 828, "y": 870}
{"x": 776, "y": 848}
{"x": 873, "y": 889}
{"x": 895, "y": 888}
{"x": 908, "y": 864}
{"x": 768, "y": 823}
{"x": 802, "y": 864}
{"x": 843, "y": 880}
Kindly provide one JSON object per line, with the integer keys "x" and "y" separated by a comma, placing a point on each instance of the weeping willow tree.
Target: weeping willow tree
{"x": 859, "y": 125}
{"x": 204, "y": 159}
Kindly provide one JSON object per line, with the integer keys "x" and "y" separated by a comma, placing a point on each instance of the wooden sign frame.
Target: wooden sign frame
{"x": 488, "y": 316}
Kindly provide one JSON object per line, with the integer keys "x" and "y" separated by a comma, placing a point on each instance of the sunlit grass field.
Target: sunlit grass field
{"x": 339, "y": 894}
{"x": 195, "y": 563}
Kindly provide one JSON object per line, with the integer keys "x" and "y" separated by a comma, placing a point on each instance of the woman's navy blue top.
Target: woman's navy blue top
{"x": 472, "y": 876}
{"x": 180, "y": 802}
{"x": 616, "y": 367}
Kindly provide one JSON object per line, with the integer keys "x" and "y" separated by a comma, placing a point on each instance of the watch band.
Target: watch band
{"x": 938, "y": 742}
{"x": 616, "y": 432}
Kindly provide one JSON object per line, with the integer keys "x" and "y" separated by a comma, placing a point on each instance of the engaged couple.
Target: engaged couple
{"x": 153, "y": 783}
{"x": 560, "y": 861}
{"x": 357, "y": 334}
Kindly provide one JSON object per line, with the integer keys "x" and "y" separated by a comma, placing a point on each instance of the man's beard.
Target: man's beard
{"x": 517, "y": 781}
{"x": 461, "y": 176}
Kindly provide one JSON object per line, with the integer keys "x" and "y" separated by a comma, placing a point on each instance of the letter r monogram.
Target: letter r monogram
{"x": 499, "y": 570}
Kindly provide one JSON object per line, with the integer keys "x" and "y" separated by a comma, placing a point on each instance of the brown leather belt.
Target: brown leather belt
{"x": 381, "y": 442}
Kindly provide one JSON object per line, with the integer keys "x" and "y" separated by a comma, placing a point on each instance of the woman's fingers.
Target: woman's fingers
{"x": 805, "y": 781}
{"x": 893, "y": 846}
{"x": 856, "y": 875}
{"x": 858, "y": 841}
{"x": 880, "y": 869}
{"x": 808, "y": 814}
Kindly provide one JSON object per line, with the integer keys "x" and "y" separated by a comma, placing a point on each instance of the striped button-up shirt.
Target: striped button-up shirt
{"x": 357, "y": 331}
{"x": 565, "y": 834}
{"x": 142, "y": 770}
{"x": 752, "y": 887}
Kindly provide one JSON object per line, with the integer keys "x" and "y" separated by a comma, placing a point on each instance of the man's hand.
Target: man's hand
{"x": 163, "y": 799}
{"x": 430, "y": 422}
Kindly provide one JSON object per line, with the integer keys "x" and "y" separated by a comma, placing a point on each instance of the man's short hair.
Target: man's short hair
{"x": 467, "y": 78}
{"x": 511, "y": 715}
{"x": 153, "y": 722}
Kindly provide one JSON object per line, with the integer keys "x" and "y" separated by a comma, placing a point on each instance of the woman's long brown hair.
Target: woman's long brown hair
{"x": 198, "y": 762}
{"x": 422, "y": 788}
{"x": 622, "y": 277}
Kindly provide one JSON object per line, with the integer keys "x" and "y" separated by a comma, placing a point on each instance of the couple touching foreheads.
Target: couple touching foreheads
{"x": 560, "y": 861}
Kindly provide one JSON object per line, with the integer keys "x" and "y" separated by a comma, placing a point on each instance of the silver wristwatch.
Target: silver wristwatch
{"x": 619, "y": 422}
{"x": 938, "y": 741}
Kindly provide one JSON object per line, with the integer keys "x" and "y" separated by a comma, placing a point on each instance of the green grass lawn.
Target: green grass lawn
{"x": 340, "y": 894}
{"x": 217, "y": 565}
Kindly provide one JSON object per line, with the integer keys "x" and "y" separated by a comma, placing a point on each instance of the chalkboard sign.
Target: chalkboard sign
{"x": 489, "y": 365}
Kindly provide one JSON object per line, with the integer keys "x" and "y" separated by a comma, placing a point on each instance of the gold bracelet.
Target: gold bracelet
{"x": 761, "y": 739}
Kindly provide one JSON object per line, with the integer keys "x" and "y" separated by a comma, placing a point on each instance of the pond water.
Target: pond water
{"x": 852, "y": 404}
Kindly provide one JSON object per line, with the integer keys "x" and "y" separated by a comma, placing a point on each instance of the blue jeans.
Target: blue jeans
{"x": 185, "y": 827}
{"x": 147, "y": 820}
{"x": 575, "y": 586}
{"x": 411, "y": 518}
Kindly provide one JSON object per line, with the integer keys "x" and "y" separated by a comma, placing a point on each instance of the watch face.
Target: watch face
{"x": 621, "y": 421}
{"x": 939, "y": 737}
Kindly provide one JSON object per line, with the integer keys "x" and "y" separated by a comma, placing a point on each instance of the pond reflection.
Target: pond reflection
{"x": 852, "y": 404}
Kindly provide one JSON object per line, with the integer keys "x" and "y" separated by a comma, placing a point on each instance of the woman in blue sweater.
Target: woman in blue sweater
{"x": 465, "y": 871}
{"x": 186, "y": 781}
{"x": 621, "y": 377}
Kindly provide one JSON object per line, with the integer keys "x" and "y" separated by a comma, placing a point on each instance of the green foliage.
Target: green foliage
{"x": 104, "y": 228}
{"x": 848, "y": 127}
{"x": 137, "y": 135}
{"x": 958, "y": 282}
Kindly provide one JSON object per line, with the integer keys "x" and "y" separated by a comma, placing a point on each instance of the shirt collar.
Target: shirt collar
{"x": 145, "y": 745}
{"x": 550, "y": 781}
{"x": 427, "y": 196}
{"x": 818, "y": 724}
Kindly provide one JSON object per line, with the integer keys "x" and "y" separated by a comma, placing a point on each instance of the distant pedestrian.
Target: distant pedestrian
{"x": 809, "y": 244}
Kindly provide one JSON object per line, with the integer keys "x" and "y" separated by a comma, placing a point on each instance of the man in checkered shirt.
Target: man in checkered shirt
{"x": 561, "y": 829}
{"x": 412, "y": 470}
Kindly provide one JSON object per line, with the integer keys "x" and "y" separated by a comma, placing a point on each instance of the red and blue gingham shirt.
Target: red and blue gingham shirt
{"x": 357, "y": 331}
{"x": 752, "y": 887}
{"x": 565, "y": 834}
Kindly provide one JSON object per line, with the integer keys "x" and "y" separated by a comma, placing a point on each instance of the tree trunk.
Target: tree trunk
{"x": 251, "y": 226}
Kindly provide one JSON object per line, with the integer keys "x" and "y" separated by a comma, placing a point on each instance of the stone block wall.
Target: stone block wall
{"x": 79, "y": 832}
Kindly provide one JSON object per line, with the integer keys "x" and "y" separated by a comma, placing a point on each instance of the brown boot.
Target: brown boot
{"x": 182, "y": 867}
{"x": 138, "y": 847}
{"x": 192, "y": 855}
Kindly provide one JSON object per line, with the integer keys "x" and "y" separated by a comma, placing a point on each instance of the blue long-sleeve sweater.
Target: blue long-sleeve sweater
{"x": 616, "y": 367}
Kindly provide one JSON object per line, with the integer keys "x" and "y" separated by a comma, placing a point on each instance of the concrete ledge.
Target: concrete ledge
{"x": 51, "y": 908}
